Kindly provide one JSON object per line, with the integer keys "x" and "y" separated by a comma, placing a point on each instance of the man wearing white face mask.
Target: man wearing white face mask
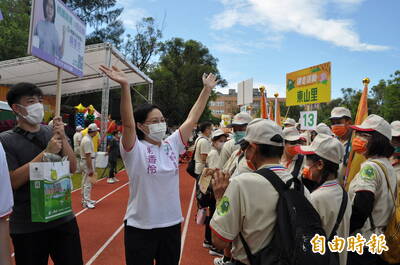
{"x": 32, "y": 142}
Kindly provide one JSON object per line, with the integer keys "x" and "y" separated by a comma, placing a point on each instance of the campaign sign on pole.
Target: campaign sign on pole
{"x": 309, "y": 86}
{"x": 57, "y": 36}
{"x": 308, "y": 120}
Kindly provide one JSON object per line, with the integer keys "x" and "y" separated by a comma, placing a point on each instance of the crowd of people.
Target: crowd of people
{"x": 256, "y": 182}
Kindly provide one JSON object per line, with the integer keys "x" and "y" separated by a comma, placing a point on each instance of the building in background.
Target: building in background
{"x": 227, "y": 103}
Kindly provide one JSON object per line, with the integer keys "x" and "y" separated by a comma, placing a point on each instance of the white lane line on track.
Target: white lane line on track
{"x": 117, "y": 189}
{"x": 105, "y": 245}
{"x": 83, "y": 210}
{"x": 187, "y": 220}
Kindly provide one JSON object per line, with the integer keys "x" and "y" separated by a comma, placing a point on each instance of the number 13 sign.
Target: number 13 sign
{"x": 308, "y": 120}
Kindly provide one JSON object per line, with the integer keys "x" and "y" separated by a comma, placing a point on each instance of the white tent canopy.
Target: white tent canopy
{"x": 44, "y": 75}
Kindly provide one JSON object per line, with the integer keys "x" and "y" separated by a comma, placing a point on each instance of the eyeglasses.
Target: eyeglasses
{"x": 155, "y": 121}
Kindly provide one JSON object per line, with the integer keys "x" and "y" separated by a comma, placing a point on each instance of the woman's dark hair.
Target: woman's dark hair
{"x": 54, "y": 9}
{"x": 204, "y": 126}
{"x": 140, "y": 114}
{"x": 270, "y": 151}
{"x": 379, "y": 145}
{"x": 330, "y": 168}
{"x": 19, "y": 90}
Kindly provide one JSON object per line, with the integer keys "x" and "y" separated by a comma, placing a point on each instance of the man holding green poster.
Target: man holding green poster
{"x": 32, "y": 142}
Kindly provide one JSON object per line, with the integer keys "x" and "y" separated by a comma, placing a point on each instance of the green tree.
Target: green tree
{"x": 177, "y": 77}
{"x": 14, "y": 29}
{"x": 144, "y": 45}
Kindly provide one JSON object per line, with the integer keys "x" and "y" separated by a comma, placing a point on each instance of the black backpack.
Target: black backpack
{"x": 296, "y": 224}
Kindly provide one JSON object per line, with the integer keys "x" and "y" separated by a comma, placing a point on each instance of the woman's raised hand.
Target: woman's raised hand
{"x": 114, "y": 73}
{"x": 209, "y": 81}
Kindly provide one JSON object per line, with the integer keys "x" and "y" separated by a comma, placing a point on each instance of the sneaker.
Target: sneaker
{"x": 207, "y": 244}
{"x": 216, "y": 252}
{"x": 115, "y": 179}
{"x": 92, "y": 202}
{"x": 220, "y": 261}
{"x": 88, "y": 205}
{"x": 110, "y": 180}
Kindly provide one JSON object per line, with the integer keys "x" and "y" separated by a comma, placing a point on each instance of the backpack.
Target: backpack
{"x": 297, "y": 166}
{"x": 192, "y": 163}
{"x": 392, "y": 232}
{"x": 296, "y": 224}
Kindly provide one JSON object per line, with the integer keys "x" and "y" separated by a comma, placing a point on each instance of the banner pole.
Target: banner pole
{"x": 58, "y": 92}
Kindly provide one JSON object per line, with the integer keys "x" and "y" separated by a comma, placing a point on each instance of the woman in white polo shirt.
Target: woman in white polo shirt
{"x": 153, "y": 217}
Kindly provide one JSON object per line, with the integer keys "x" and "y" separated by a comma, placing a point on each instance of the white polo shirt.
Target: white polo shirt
{"x": 153, "y": 183}
{"x": 6, "y": 194}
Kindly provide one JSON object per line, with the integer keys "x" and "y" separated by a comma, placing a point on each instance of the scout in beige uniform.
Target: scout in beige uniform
{"x": 88, "y": 156}
{"x": 289, "y": 123}
{"x": 341, "y": 122}
{"x": 396, "y": 144}
{"x": 218, "y": 139}
{"x": 239, "y": 124}
{"x": 322, "y": 128}
{"x": 238, "y": 205}
{"x": 203, "y": 147}
{"x": 323, "y": 158}
{"x": 369, "y": 193}
{"x": 290, "y": 157}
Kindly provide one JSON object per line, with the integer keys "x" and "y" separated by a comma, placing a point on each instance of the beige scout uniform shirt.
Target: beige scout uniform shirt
{"x": 342, "y": 167}
{"x": 213, "y": 158}
{"x": 371, "y": 178}
{"x": 327, "y": 200}
{"x": 203, "y": 147}
{"x": 226, "y": 152}
{"x": 235, "y": 167}
{"x": 396, "y": 168}
{"x": 87, "y": 147}
{"x": 290, "y": 164}
{"x": 241, "y": 210}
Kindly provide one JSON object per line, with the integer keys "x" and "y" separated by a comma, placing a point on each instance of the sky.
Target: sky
{"x": 265, "y": 39}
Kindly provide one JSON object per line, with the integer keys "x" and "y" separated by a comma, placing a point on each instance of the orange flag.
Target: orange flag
{"x": 271, "y": 111}
{"x": 278, "y": 113}
{"x": 355, "y": 159}
{"x": 263, "y": 103}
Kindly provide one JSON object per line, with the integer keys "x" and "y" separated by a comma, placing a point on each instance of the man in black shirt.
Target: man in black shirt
{"x": 32, "y": 142}
{"x": 113, "y": 154}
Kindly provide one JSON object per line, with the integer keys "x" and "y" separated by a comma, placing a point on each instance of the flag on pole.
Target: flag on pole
{"x": 277, "y": 112}
{"x": 1, "y": 16}
{"x": 263, "y": 103}
{"x": 271, "y": 111}
{"x": 355, "y": 159}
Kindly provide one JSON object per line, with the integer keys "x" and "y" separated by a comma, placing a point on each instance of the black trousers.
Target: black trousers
{"x": 365, "y": 259}
{"x": 144, "y": 246}
{"x": 113, "y": 168}
{"x": 62, "y": 243}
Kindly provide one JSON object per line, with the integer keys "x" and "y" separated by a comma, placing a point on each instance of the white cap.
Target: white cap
{"x": 79, "y": 128}
{"x": 217, "y": 133}
{"x": 290, "y": 121}
{"x": 395, "y": 128}
{"x": 375, "y": 123}
{"x": 261, "y": 131}
{"x": 322, "y": 128}
{"x": 93, "y": 127}
{"x": 241, "y": 118}
{"x": 291, "y": 134}
{"x": 304, "y": 136}
{"x": 326, "y": 147}
{"x": 340, "y": 112}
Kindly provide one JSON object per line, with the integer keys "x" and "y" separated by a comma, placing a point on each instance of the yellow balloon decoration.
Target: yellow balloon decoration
{"x": 91, "y": 109}
{"x": 80, "y": 108}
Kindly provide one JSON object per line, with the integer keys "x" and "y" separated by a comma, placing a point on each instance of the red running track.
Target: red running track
{"x": 101, "y": 229}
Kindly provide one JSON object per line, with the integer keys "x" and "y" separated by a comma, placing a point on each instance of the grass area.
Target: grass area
{"x": 77, "y": 178}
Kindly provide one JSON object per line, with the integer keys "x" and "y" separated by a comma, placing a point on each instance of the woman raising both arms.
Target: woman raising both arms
{"x": 153, "y": 216}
